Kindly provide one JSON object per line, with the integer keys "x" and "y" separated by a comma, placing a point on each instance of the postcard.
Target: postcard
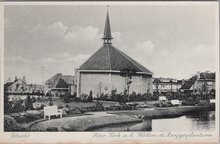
{"x": 109, "y": 72}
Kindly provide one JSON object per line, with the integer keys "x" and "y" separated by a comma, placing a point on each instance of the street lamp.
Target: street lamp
{"x": 43, "y": 77}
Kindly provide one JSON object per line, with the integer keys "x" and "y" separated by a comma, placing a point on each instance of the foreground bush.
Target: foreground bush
{"x": 11, "y": 125}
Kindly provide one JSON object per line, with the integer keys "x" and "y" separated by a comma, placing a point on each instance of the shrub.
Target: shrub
{"x": 28, "y": 103}
{"x": 86, "y": 98}
{"x": 38, "y": 106}
{"x": 60, "y": 106}
{"x": 11, "y": 125}
{"x": 7, "y": 104}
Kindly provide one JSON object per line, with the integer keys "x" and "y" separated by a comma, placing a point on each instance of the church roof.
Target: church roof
{"x": 111, "y": 58}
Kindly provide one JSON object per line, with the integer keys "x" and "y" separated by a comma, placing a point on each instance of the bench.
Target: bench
{"x": 52, "y": 110}
{"x": 175, "y": 102}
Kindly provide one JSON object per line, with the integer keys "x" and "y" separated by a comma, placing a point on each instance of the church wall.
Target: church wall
{"x": 118, "y": 82}
{"x": 109, "y": 81}
{"x": 140, "y": 84}
{"x": 95, "y": 81}
{"x": 147, "y": 85}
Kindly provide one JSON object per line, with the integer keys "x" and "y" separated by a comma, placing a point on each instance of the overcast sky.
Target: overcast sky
{"x": 170, "y": 40}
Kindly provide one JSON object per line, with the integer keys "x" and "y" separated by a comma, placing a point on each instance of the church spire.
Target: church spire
{"x": 107, "y": 31}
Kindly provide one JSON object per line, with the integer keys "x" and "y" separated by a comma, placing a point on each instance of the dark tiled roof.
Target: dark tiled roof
{"x": 111, "y": 58}
{"x": 206, "y": 75}
{"x": 52, "y": 79}
{"x": 11, "y": 83}
{"x": 61, "y": 81}
{"x": 8, "y": 84}
{"x": 179, "y": 81}
{"x": 188, "y": 84}
{"x": 61, "y": 84}
{"x": 68, "y": 79}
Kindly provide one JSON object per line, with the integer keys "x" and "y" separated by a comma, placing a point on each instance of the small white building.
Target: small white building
{"x": 163, "y": 85}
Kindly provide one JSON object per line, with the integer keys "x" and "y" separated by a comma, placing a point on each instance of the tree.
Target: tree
{"x": 127, "y": 74}
{"x": 157, "y": 83}
{"x": 205, "y": 89}
{"x": 7, "y": 106}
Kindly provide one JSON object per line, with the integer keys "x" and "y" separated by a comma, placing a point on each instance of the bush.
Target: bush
{"x": 38, "y": 106}
{"x": 60, "y": 106}
{"x": 86, "y": 98}
{"x": 11, "y": 125}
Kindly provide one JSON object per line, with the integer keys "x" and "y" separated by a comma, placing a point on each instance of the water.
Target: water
{"x": 202, "y": 121}
{"x": 199, "y": 121}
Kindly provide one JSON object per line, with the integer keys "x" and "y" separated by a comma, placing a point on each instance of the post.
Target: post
{"x": 78, "y": 79}
{"x": 43, "y": 78}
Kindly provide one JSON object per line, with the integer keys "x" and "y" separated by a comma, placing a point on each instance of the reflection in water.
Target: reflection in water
{"x": 199, "y": 121}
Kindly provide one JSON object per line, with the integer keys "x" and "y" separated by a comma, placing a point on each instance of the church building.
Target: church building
{"x": 101, "y": 73}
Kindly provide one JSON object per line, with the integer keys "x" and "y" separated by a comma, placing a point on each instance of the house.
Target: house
{"x": 101, "y": 73}
{"x": 17, "y": 86}
{"x": 20, "y": 86}
{"x": 60, "y": 84}
{"x": 164, "y": 85}
{"x": 201, "y": 82}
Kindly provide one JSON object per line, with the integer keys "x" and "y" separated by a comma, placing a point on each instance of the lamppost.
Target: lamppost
{"x": 43, "y": 77}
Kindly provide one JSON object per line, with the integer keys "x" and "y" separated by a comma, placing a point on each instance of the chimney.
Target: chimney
{"x": 9, "y": 79}
{"x": 198, "y": 75}
{"x": 16, "y": 78}
{"x": 24, "y": 79}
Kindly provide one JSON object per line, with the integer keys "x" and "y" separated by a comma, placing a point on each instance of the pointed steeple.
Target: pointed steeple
{"x": 107, "y": 31}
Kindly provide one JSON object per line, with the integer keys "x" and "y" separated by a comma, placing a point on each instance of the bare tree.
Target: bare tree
{"x": 127, "y": 74}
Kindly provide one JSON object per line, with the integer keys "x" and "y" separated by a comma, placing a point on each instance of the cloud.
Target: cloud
{"x": 183, "y": 62}
{"x": 146, "y": 47}
{"x": 142, "y": 52}
{"x": 66, "y": 58}
{"x": 57, "y": 37}
{"x": 16, "y": 59}
{"x": 78, "y": 33}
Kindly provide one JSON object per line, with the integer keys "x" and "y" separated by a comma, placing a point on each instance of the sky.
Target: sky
{"x": 172, "y": 41}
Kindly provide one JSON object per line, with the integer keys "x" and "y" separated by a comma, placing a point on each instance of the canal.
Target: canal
{"x": 198, "y": 121}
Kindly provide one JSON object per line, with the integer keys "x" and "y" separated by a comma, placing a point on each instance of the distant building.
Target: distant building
{"x": 164, "y": 85}
{"x": 60, "y": 84}
{"x": 101, "y": 72}
{"x": 19, "y": 86}
{"x": 202, "y": 81}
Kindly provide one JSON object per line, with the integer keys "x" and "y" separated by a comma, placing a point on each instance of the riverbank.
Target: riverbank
{"x": 85, "y": 123}
{"x": 99, "y": 120}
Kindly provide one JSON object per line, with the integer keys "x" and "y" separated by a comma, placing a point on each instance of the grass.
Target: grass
{"x": 85, "y": 122}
